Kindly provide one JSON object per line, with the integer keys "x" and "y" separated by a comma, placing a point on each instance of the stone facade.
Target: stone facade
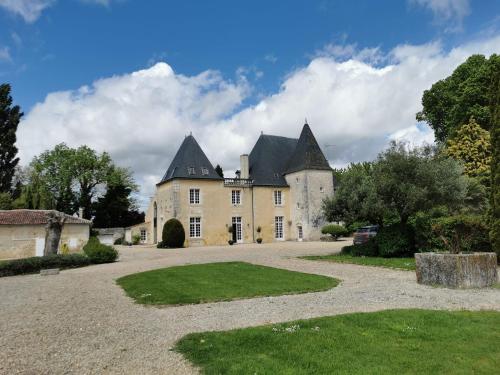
{"x": 280, "y": 198}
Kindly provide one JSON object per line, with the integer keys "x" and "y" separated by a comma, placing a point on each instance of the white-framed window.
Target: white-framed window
{"x": 236, "y": 197}
{"x": 144, "y": 235}
{"x": 194, "y": 196}
{"x": 191, "y": 170}
{"x": 278, "y": 197}
{"x": 204, "y": 171}
{"x": 195, "y": 227}
{"x": 278, "y": 227}
{"x": 236, "y": 221}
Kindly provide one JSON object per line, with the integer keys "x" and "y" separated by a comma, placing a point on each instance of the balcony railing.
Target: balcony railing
{"x": 240, "y": 182}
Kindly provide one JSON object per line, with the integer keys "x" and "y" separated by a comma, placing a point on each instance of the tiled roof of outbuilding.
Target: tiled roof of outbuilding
{"x": 34, "y": 217}
{"x": 190, "y": 162}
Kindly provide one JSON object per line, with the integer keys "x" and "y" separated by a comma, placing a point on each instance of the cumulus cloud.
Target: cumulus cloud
{"x": 5, "y": 54}
{"x": 447, "y": 11}
{"x": 353, "y": 106}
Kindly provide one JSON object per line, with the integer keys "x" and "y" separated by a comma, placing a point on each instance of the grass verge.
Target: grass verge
{"x": 397, "y": 263}
{"x": 387, "y": 342}
{"x": 199, "y": 283}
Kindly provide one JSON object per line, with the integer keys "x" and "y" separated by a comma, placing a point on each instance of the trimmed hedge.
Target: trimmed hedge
{"x": 334, "y": 230}
{"x": 98, "y": 252}
{"x": 35, "y": 264}
{"x": 368, "y": 249}
{"x": 173, "y": 235}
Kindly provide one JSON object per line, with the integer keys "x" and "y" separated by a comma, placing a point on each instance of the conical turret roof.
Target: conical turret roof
{"x": 307, "y": 154}
{"x": 190, "y": 162}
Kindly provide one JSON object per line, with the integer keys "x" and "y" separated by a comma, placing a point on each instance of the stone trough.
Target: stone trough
{"x": 475, "y": 270}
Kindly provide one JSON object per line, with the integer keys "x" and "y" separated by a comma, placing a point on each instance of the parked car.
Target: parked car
{"x": 363, "y": 234}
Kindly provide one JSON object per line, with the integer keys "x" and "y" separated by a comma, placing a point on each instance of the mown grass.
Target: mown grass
{"x": 397, "y": 263}
{"x": 387, "y": 342}
{"x": 199, "y": 283}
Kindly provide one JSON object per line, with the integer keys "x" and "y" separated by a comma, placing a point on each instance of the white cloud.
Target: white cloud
{"x": 5, "y": 54}
{"x": 271, "y": 58}
{"x": 30, "y": 10}
{"x": 446, "y": 11}
{"x": 141, "y": 118}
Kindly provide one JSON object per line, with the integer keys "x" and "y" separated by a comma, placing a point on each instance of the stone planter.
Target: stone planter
{"x": 475, "y": 270}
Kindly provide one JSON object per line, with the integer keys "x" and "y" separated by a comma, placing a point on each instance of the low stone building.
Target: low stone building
{"x": 141, "y": 230}
{"x": 277, "y": 194}
{"x": 22, "y": 233}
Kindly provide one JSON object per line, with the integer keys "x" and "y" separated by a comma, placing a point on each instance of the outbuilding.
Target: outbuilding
{"x": 22, "y": 233}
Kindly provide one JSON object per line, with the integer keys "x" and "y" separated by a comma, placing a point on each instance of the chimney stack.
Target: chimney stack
{"x": 80, "y": 212}
{"x": 244, "y": 166}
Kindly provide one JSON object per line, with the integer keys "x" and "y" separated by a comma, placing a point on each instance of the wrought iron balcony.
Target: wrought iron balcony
{"x": 240, "y": 182}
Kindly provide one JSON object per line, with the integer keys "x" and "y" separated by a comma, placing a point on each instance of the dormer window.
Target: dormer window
{"x": 191, "y": 171}
{"x": 204, "y": 171}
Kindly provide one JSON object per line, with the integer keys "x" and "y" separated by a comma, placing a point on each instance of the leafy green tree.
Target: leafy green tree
{"x": 412, "y": 180}
{"x": 219, "y": 170}
{"x": 116, "y": 208}
{"x": 9, "y": 120}
{"x": 355, "y": 197}
{"x": 495, "y": 162}
{"x": 471, "y": 145}
{"x": 451, "y": 102}
{"x": 5, "y": 201}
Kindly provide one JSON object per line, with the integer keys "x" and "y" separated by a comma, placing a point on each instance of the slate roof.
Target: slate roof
{"x": 35, "y": 217}
{"x": 269, "y": 158}
{"x": 307, "y": 154}
{"x": 190, "y": 162}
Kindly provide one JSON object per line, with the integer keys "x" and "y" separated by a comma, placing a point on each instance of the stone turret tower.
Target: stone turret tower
{"x": 310, "y": 179}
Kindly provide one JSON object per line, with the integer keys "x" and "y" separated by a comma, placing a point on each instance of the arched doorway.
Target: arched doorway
{"x": 155, "y": 223}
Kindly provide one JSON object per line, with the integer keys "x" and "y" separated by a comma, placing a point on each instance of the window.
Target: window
{"x": 236, "y": 197}
{"x": 194, "y": 196}
{"x": 191, "y": 170}
{"x": 204, "y": 171}
{"x": 143, "y": 235}
{"x": 278, "y": 227}
{"x": 278, "y": 201}
{"x": 195, "y": 227}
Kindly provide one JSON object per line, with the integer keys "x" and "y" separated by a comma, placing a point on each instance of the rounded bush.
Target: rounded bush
{"x": 173, "y": 234}
{"x": 98, "y": 252}
{"x": 395, "y": 241}
{"x": 334, "y": 230}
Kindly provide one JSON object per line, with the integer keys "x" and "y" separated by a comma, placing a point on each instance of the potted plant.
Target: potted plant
{"x": 458, "y": 266}
{"x": 230, "y": 242}
{"x": 259, "y": 238}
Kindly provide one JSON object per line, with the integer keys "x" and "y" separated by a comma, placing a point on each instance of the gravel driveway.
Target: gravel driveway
{"x": 81, "y": 322}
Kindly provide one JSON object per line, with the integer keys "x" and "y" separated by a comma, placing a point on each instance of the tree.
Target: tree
{"x": 451, "y": 102}
{"x": 116, "y": 208}
{"x": 355, "y": 198}
{"x": 53, "y": 230}
{"x": 219, "y": 170}
{"x": 495, "y": 161}
{"x": 471, "y": 145}
{"x": 9, "y": 120}
{"x": 412, "y": 180}
{"x": 5, "y": 201}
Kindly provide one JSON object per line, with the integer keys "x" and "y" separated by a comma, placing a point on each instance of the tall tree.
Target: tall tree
{"x": 471, "y": 145}
{"x": 451, "y": 102}
{"x": 219, "y": 171}
{"x": 495, "y": 162}
{"x": 116, "y": 208}
{"x": 9, "y": 120}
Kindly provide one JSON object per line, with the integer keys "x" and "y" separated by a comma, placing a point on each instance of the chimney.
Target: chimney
{"x": 80, "y": 212}
{"x": 244, "y": 166}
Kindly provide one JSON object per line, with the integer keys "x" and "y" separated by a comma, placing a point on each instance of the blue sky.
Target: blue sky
{"x": 75, "y": 42}
{"x": 134, "y": 77}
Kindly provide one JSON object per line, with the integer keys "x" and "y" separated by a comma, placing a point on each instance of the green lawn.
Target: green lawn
{"x": 387, "y": 342}
{"x": 398, "y": 263}
{"x": 199, "y": 283}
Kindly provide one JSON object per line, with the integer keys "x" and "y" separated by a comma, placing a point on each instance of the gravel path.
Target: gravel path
{"x": 81, "y": 322}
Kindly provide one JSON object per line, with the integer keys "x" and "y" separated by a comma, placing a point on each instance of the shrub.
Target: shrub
{"x": 396, "y": 240}
{"x": 160, "y": 245}
{"x": 119, "y": 241}
{"x": 368, "y": 249}
{"x": 353, "y": 227}
{"x": 173, "y": 235}
{"x": 259, "y": 240}
{"x": 136, "y": 238}
{"x": 98, "y": 252}
{"x": 35, "y": 264}
{"x": 458, "y": 233}
{"x": 334, "y": 230}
